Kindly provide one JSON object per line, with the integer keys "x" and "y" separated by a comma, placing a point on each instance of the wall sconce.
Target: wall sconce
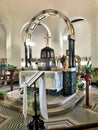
{"x": 65, "y": 37}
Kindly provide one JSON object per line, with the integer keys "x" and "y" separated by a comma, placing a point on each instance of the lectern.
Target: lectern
{"x": 37, "y": 123}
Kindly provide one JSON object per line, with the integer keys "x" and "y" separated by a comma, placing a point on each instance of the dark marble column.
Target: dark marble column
{"x": 71, "y": 53}
{"x": 69, "y": 76}
{"x": 30, "y": 54}
{"x": 69, "y": 83}
{"x": 26, "y": 56}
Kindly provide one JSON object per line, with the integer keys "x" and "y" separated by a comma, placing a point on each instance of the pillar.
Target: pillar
{"x": 26, "y": 57}
{"x": 71, "y": 53}
{"x": 69, "y": 83}
{"x": 69, "y": 75}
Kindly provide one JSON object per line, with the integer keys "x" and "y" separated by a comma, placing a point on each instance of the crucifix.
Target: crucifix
{"x": 47, "y": 39}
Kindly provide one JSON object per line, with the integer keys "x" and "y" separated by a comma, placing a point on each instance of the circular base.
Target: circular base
{"x": 87, "y": 106}
{"x": 36, "y": 124}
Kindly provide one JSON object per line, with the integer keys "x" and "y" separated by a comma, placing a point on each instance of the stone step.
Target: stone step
{"x": 15, "y": 105}
{"x": 56, "y": 107}
{"x": 63, "y": 100}
{"x": 66, "y": 106}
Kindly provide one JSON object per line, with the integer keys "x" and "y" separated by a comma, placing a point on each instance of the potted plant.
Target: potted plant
{"x": 11, "y": 68}
{"x": 21, "y": 91}
{"x": 88, "y": 71}
{"x": 79, "y": 84}
{"x": 3, "y": 94}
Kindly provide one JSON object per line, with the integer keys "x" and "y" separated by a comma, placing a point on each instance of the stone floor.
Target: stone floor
{"x": 11, "y": 119}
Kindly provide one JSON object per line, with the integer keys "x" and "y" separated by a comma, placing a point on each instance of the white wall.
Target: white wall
{"x": 17, "y": 13}
{"x": 83, "y": 41}
{"x": 2, "y": 41}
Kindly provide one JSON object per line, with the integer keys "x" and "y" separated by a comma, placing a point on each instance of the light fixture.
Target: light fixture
{"x": 30, "y": 43}
{"x": 65, "y": 37}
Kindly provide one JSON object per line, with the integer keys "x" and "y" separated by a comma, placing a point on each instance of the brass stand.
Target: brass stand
{"x": 37, "y": 123}
{"x": 11, "y": 81}
{"x": 87, "y": 105}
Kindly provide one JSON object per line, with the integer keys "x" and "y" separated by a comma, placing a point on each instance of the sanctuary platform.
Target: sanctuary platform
{"x": 57, "y": 105}
{"x": 73, "y": 113}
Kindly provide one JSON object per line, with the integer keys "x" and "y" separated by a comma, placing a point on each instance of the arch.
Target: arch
{"x": 70, "y": 76}
{"x": 43, "y": 25}
{"x": 8, "y": 38}
{"x": 51, "y": 12}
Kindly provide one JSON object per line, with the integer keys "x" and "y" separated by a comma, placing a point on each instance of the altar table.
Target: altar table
{"x": 53, "y": 79}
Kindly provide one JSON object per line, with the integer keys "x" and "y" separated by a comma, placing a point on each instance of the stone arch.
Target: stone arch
{"x": 43, "y": 25}
{"x": 51, "y": 12}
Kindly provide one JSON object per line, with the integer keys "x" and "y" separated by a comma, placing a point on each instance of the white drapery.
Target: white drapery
{"x": 25, "y": 105}
{"x": 58, "y": 81}
{"x": 42, "y": 97}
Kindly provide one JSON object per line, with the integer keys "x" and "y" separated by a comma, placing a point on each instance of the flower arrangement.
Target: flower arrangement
{"x": 62, "y": 59}
{"x": 10, "y": 67}
{"x": 88, "y": 70}
{"x": 33, "y": 60}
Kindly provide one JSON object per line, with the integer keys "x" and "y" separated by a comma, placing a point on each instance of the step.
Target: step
{"x": 56, "y": 106}
{"x": 67, "y": 106}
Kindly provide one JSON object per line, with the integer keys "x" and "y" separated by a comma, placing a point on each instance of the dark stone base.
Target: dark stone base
{"x": 69, "y": 83}
{"x": 53, "y": 92}
{"x": 49, "y": 92}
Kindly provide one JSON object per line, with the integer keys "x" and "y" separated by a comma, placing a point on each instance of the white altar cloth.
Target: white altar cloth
{"x": 53, "y": 79}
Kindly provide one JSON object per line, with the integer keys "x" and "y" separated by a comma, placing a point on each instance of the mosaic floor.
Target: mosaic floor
{"x": 4, "y": 119}
{"x": 14, "y": 120}
{"x": 67, "y": 122}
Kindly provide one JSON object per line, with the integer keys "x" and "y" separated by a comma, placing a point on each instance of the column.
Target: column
{"x": 30, "y": 54}
{"x": 69, "y": 83}
{"x": 69, "y": 75}
{"x": 26, "y": 57}
{"x": 71, "y": 53}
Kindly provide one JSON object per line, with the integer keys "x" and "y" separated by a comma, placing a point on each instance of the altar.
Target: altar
{"x": 53, "y": 79}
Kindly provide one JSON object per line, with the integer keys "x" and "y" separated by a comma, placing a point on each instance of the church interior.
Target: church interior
{"x": 48, "y": 65}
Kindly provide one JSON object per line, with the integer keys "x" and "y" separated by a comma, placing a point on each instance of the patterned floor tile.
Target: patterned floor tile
{"x": 78, "y": 115}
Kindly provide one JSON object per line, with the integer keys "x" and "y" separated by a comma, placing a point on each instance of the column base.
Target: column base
{"x": 87, "y": 106}
{"x": 69, "y": 83}
{"x": 36, "y": 124}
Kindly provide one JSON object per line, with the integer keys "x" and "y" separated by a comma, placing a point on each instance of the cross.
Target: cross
{"x": 47, "y": 39}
